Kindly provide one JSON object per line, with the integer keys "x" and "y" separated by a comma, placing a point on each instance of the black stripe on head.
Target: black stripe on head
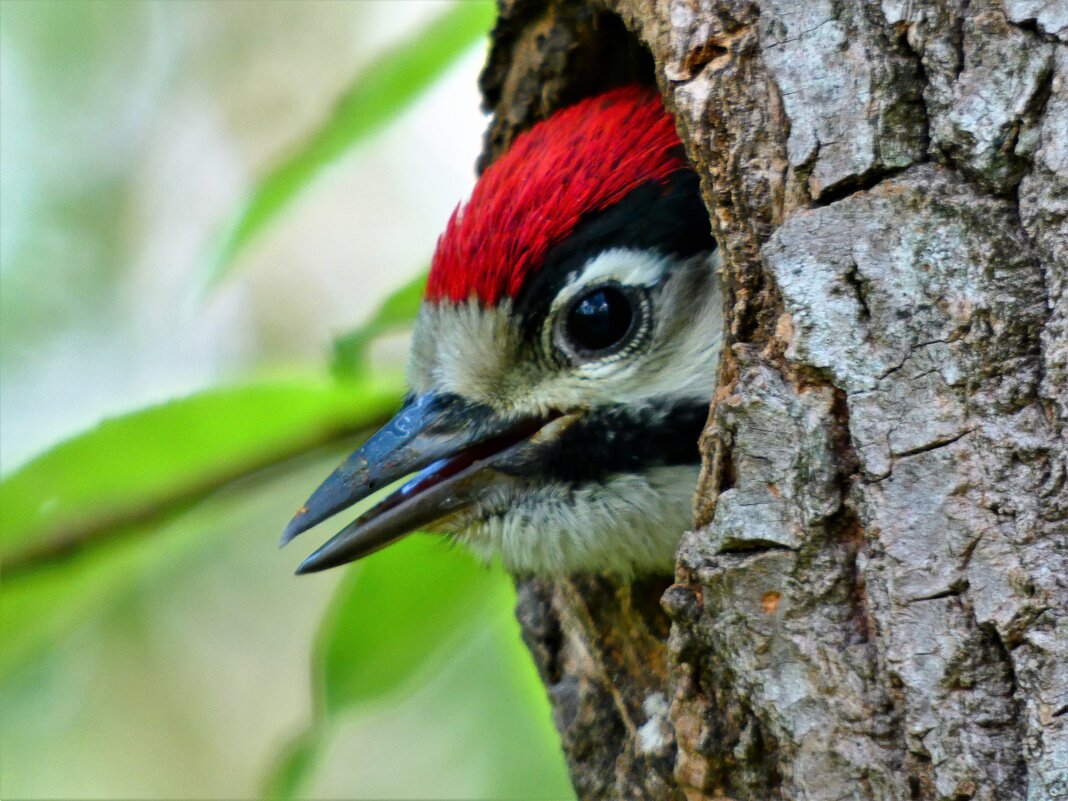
{"x": 671, "y": 219}
{"x": 619, "y": 439}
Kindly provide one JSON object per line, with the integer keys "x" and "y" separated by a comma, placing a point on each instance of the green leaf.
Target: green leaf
{"x": 378, "y": 95}
{"x": 294, "y": 766}
{"x": 397, "y": 615}
{"x": 396, "y": 313}
{"x": 120, "y": 485}
{"x": 42, "y": 604}
{"x": 136, "y": 468}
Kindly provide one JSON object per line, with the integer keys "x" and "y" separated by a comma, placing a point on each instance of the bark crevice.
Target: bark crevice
{"x": 872, "y": 602}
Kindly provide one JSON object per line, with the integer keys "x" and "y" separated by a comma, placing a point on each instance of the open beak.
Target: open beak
{"x": 461, "y": 453}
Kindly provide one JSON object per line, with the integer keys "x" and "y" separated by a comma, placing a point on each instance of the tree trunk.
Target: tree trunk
{"x": 873, "y": 603}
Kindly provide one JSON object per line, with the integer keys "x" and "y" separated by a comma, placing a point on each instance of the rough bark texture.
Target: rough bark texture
{"x": 873, "y": 603}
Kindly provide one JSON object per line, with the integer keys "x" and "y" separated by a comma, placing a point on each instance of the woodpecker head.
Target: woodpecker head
{"x": 562, "y": 362}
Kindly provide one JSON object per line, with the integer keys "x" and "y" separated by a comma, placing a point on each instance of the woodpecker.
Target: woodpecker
{"x": 562, "y": 361}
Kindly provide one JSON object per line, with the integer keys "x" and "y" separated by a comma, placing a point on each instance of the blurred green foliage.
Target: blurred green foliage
{"x": 397, "y": 618}
{"x": 117, "y": 482}
{"x": 142, "y": 464}
{"x": 376, "y": 96}
{"x": 141, "y": 496}
{"x": 395, "y": 314}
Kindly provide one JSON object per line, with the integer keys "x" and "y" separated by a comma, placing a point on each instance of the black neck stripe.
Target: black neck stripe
{"x": 620, "y": 439}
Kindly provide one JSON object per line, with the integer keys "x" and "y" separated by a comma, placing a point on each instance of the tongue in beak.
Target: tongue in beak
{"x": 461, "y": 453}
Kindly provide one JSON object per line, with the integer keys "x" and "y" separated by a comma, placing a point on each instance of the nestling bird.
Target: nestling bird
{"x": 562, "y": 362}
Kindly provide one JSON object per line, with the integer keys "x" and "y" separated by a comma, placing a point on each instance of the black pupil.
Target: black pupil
{"x": 600, "y": 319}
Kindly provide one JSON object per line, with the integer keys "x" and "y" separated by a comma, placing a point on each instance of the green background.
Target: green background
{"x": 215, "y": 221}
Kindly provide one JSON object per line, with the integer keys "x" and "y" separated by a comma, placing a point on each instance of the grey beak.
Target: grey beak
{"x": 418, "y": 435}
{"x": 460, "y": 450}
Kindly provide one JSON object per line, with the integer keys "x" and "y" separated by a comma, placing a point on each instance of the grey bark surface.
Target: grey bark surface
{"x": 873, "y": 601}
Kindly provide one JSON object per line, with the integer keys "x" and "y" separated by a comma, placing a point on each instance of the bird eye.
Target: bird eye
{"x": 600, "y": 320}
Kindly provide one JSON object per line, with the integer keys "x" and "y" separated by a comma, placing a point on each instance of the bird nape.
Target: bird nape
{"x": 562, "y": 361}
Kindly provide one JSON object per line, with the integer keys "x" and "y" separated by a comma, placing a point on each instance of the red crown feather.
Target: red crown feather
{"x": 582, "y": 159}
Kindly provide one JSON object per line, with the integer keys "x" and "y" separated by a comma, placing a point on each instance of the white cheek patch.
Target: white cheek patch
{"x": 478, "y": 353}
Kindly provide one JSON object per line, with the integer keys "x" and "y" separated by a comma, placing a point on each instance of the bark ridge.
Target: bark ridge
{"x": 873, "y": 602}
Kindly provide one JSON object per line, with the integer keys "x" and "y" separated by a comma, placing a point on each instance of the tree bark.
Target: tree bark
{"x": 873, "y": 601}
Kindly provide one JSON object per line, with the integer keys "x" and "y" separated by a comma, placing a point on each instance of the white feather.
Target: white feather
{"x": 628, "y": 524}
